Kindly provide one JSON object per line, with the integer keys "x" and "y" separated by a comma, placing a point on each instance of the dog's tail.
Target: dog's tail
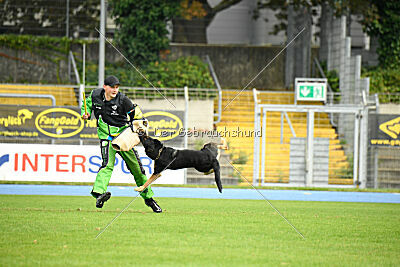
{"x": 216, "y": 168}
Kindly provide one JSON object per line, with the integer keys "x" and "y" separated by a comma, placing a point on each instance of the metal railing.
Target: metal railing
{"x": 260, "y": 142}
{"x": 392, "y": 98}
{"x": 284, "y": 113}
{"x": 51, "y": 97}
{"x": 160, "y": 93}
{"x": 330, "y": 91}
{"x": 65, "y": 95}
{"x": 256, "y": 148}
{"x": 77, "y": 78}
{"x": 71, "y": 94}
{"x": 215, "y": 78}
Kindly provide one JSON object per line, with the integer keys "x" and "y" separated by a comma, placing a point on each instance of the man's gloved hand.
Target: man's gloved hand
{"x": 86, "y": 116}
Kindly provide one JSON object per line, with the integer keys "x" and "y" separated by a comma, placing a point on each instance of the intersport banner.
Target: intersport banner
{"x": 69, "y": 163}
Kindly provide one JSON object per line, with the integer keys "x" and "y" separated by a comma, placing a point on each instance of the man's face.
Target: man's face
{"x": 111, "y": 92}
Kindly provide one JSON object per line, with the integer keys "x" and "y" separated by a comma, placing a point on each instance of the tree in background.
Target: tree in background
{"x": 383, "y": 21}
{"x": 142, "y": 27}
{"x": 343, "y": 7}
{"x": 48, "y": 17}
{"x": 380, "y": 19}
{"x": 194, "y": 18}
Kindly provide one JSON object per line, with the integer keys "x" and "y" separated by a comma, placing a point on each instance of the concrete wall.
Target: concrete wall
{"x": 201, "y": 112}
{"x": 389, "y": 109}
{"x": 233, "y": 25}
{"x": 236, "y": 65}
{"x": 24, "y": 66}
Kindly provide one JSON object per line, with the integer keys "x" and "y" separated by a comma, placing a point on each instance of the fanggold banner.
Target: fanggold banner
{"x": 62, "y": 122}
{"x": 45, "y": 122}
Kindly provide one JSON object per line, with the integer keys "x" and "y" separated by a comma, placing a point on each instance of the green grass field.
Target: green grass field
{"x": 61, "y": 231}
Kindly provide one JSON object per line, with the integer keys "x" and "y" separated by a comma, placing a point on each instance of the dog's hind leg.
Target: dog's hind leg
{"x": 152, "y": 178}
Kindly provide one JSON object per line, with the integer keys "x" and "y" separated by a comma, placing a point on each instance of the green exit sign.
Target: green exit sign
{"x": 310, "y": 89}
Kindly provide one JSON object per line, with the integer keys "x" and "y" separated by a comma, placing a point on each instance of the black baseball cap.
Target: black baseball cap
{"x": 111, "y": 81}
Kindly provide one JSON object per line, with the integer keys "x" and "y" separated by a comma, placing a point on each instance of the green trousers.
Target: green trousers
{"x": 133, "y": 164}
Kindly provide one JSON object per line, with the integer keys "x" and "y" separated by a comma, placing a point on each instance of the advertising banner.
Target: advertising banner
{"x": 62, "y": 123}
{"x": 166, "y": 126}
{"x": 45, "y": 122}
{"x": 69, "y": 163}
{"x": 384, "y": 130}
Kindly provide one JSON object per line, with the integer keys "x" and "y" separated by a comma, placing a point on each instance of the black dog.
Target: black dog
{"x": 204, "y": 160}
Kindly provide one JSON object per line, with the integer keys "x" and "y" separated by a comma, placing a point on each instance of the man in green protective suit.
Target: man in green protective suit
{"x": 114, "y": 112}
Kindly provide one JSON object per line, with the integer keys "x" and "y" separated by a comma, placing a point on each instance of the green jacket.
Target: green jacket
{"x": 112, "y": 116}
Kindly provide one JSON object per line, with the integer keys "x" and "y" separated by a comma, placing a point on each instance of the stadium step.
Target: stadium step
{"x": 237, "y": 125}
{"x": 65, "y": 96}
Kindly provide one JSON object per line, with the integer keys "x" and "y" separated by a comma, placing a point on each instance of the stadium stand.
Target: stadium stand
{"x": 239, "y": 117}
{"x": 65, "y": 96}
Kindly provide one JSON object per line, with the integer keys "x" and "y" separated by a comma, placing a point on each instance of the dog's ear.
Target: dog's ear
{"x": 206, "y": 146}
{"x": 209, "y": 146}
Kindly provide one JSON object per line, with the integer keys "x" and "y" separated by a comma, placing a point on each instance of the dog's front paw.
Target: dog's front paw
{"x": 140, "y": 188}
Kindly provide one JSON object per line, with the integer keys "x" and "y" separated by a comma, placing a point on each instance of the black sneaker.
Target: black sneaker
{"x": 153, "y": 205}
{"x": 101, "y": 199}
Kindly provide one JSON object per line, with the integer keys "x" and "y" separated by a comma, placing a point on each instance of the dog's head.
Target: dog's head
{"x": 151, "y": 146}
{"x": 211, "y": 148}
